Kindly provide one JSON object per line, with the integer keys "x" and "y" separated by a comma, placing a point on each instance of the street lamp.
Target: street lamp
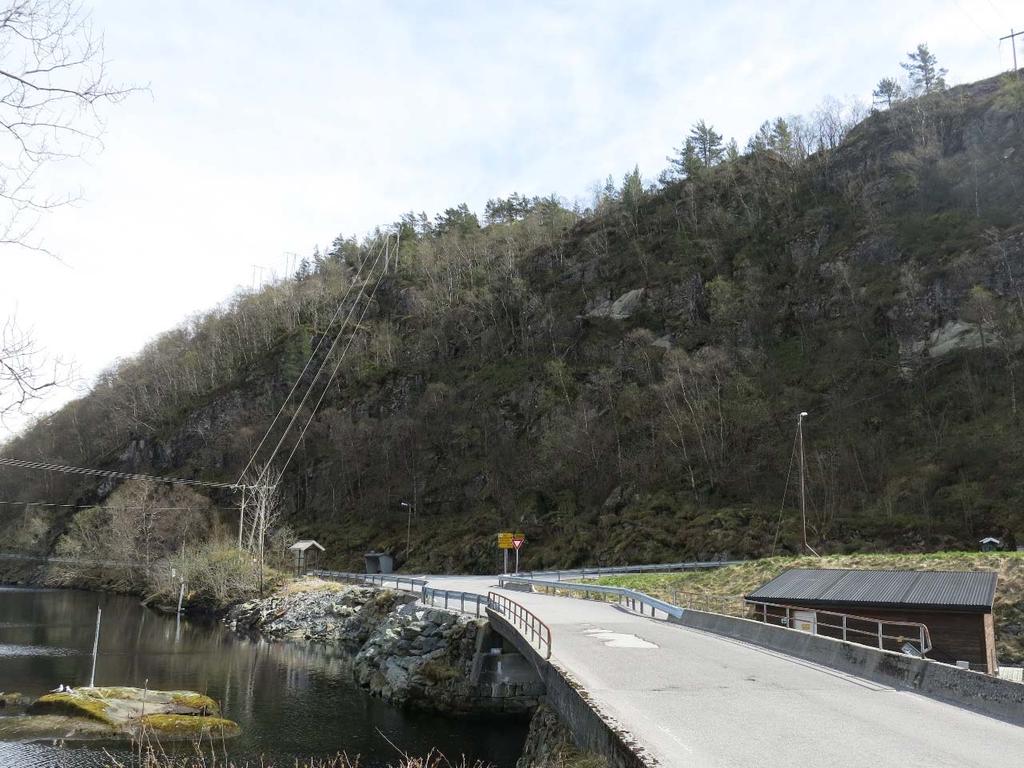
{"x": 803, "y": 500}
{"x": 408, "y": 530}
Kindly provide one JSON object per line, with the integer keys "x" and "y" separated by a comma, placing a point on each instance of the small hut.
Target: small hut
{"x": 379, "y": 562}
{"x": 307, "y": 555}
{"x": 990, "y": 544}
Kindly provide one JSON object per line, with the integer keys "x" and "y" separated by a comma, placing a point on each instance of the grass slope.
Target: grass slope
{"x": 742, "y": 579}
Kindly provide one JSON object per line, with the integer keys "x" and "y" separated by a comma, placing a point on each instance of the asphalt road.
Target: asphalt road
{"x": 692, "y": 698}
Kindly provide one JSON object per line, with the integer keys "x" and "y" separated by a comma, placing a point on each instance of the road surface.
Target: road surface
{"x": 692, "y": 698}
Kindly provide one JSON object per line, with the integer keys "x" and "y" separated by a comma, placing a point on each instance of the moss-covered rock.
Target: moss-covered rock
{"x": 114, "y": 711}
{"x": 187, "y": 726}
{"x": 85, "y": 705}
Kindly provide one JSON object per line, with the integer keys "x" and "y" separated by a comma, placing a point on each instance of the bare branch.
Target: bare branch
{"x": 53, "y": 81}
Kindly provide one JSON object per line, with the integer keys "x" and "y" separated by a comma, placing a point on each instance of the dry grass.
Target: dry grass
{"x": 744, "y": 578}
{"x": 150, "y": 757}
{"x": 310, "y": 584}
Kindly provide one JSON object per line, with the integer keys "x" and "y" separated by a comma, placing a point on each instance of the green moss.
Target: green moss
{"x": 188, "y": 725}
{"x": 196, "y": 701}
{"x": 73, "y": 705}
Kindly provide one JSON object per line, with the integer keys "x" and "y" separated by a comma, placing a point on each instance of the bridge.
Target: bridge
{"x": 681, "y": 696}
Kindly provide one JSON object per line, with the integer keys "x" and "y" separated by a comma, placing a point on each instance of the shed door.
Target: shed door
{"x": 805, "y": 621}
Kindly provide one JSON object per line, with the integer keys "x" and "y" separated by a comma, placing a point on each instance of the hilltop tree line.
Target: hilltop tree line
{"x": 490, "y": 385}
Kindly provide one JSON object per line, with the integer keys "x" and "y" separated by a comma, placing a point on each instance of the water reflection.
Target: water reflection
{"x": 290, "y": 699}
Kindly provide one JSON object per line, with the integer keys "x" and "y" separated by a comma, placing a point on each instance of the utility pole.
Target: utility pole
{"x": 241, "y": 518}
{"x": 1013, "y": 47}
{"x": 803, "y": 493}
{"x": 408, "y": 530}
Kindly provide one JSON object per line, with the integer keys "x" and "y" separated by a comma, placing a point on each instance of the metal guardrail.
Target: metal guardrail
{"x": 452, "y": 599}
{"x": 465, "y": 602}
{"x": 622, "y": 570}
{"x": 861, "y": 630}
{"x": 405, "y": 583}
{"x": 627, "y": 597}
{"x": 526, "y": 622}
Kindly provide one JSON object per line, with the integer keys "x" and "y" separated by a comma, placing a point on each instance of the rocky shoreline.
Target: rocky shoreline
{"x": 404, "y": 652}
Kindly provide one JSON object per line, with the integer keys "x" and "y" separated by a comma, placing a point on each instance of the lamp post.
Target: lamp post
{"x": 803, "y": 495}
{"x": 408, "y": 530}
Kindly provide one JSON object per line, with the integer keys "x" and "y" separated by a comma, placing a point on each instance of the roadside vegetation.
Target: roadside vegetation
{"x": 149, "y": 540}
{"x": 738, "y": 580}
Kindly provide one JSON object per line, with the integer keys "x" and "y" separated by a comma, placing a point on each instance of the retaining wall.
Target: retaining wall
{"x": 978, "y": 692}
{"x": 591, "y": 730}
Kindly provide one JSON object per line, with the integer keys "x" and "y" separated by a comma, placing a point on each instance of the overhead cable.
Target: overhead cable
{"x": 51, "y": 467}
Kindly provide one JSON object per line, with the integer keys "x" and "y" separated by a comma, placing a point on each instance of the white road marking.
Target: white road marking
{"x": 619, "y": 639}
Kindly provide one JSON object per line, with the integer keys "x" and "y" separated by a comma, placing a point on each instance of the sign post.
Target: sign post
{"x": 518, "y": 539}
{"x": 505, "y": 544}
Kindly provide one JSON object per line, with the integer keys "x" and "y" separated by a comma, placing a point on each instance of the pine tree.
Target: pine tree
{"x": 888, "y": 92}
{"x": 707, "y": 143}
{"x": 926, "y": 76}
{"x": 703, "y": 148}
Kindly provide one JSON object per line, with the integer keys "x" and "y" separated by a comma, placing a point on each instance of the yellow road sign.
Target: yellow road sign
{"x": 505, "y": 540}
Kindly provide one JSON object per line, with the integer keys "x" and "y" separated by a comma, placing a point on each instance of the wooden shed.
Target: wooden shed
{"x": 956, "y": 606}
{"x": 307, "y": 555}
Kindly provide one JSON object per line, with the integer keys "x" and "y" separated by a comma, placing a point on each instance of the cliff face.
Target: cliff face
{"x": 622, "y": 386}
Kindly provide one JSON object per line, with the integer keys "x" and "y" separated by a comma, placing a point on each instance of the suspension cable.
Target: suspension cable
{"x": 47, "y": 466}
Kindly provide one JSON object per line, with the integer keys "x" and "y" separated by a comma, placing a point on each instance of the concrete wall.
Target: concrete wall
{"x": 978, "y": 692}
{"x": 591, "y": 730}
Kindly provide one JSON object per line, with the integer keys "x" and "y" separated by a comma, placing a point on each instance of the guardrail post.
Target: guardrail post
{"x": 844, "y": 627}
{"x": 880, "y": 636}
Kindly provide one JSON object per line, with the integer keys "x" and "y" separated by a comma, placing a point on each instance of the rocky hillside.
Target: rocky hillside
{"x": 622, "y": 383}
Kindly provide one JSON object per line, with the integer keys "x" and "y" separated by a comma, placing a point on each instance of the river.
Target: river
{"x": 290, "y": 699}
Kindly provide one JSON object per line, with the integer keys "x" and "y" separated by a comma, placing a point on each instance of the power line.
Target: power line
{"x": 998, "y": 12}
{"x": 51, "y": 467}
{"x": 298, "y": 379}
{"x": 337, "y": 367}
{"x": 323, "y": 365}
{"x": 105, "y": 506}
{"x": 969, "y": 16}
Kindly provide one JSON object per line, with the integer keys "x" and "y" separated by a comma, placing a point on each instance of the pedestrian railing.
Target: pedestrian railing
{"x": 630, "y": 598}
{"x": 536, "y": 632}
{"x": 905, "y": 637}
{"x": 465, "y": 602}
{"x": 617, "y": 570}
{"x": 909, "y": 637}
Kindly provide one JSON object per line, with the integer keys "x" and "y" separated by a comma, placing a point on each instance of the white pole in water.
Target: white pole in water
{"x": 95, "y": 648}
{"x": 181, "y": 595}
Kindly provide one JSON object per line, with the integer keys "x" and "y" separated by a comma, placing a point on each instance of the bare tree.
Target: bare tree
{"x": 261, "y": 511}
{"x": 53, "y": 82}
{"x": 27, "y": 373}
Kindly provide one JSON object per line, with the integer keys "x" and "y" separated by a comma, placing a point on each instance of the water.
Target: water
{"x": 291, "y": 699}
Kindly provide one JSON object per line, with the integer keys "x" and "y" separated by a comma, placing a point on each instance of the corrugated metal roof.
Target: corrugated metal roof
{"x": 952, "y": 590}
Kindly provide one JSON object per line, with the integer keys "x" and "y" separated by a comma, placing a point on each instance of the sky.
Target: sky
{"x": 270, "y": 128}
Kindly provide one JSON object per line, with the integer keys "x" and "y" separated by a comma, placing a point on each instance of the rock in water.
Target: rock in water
{"x": 105, "y": 712}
